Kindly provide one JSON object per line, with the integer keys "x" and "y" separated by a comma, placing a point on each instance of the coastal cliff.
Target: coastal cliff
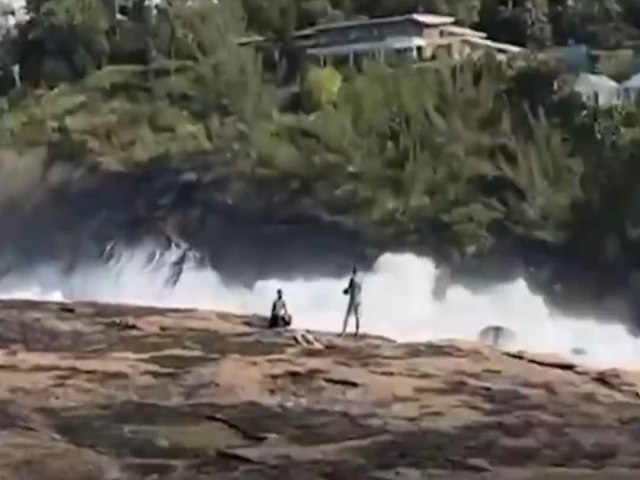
{"x": 91, "y": 391}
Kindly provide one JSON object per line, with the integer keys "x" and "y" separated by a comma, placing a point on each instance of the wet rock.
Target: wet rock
{"x": 197, "y": 395}
{"x": 613, "y": 379}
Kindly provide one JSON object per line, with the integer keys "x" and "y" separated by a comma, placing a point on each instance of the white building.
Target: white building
{"x": 631, "y": 88}
{"x": 599, "y": 89}
{"x": 416, "y": 36}
{"x": 603, "y": 91}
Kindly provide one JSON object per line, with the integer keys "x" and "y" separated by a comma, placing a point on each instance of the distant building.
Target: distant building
{"x": 602, "y": 91}
{"x": 415, "y": 37}
{"x": 599, "y": 89}
{"x": 631, "y": 89}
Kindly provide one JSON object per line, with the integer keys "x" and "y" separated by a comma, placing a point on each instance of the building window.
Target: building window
{"x": 400, "y": 56}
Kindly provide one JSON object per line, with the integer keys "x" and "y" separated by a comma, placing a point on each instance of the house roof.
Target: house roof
{"x": 427, "y": 19}
{"x": 463, "y": 31}
{"x": 590, "y": 80}
{"x": 505, "y": 47}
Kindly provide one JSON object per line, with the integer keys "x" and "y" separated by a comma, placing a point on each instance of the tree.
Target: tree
{"x": 205, "y": 32}
{"x": 522, "y": 22}
{"x": 584, "y": 21}
{"x": 320, "y": 87}
{"x": 442, "y": 147}
{"x": 65, "y": 40}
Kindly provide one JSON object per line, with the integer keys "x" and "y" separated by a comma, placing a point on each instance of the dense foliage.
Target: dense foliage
{"x": 470, "y": 152}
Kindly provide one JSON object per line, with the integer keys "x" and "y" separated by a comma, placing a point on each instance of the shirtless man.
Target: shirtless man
{"x": 279, "y": 313}
{"x": 354, "y": 290}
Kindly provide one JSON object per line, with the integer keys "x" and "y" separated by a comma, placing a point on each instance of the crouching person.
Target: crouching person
{"x": 280, "y": 317}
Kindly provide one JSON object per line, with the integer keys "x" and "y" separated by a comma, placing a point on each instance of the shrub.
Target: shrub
{"x": 320, "y": 87}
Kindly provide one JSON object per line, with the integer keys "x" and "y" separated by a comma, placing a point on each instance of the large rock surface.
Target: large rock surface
{"x": 109, "y": 392}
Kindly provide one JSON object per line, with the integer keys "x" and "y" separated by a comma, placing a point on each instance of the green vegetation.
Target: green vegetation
{"x": 468, "y": 152}
{"x": 320, "y": 87}
{"x": 112, "y": 115}
{"x": 438, "y": 146}
{"x": 127, "y": 114}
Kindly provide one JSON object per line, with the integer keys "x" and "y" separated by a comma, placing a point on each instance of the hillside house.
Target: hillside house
{"x": 599, "y": 90}
{"x": 631, "y": 89}
{"x": 602, "y": 91}
{"x": 416, "y": 37}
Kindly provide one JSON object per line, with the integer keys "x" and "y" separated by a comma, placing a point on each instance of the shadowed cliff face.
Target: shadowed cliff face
{"x": 243, "y": 233}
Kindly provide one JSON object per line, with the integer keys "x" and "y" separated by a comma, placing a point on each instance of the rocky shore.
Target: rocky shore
{"x": 96, "y": 392}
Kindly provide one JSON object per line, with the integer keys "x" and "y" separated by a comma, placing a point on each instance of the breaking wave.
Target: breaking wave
{"x": 397, "y": 302}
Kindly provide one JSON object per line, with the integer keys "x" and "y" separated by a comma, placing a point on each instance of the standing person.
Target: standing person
{"x": 354, "y": 290}
{"x": 441, "y": 283}
{"x": 279, "y": 313}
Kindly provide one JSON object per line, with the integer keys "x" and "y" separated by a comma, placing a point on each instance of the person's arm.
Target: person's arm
{"x": 349, "y": 287}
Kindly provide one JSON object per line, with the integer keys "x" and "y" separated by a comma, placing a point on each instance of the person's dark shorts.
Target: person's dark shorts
{"x": 279, "y": 321}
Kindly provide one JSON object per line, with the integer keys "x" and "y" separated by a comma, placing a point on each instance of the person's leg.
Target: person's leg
{"x": 345, "y": 323}
{"x": 357, "y": 315}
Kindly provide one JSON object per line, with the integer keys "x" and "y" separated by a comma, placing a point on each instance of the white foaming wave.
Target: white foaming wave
{"x": 397, "y": 303}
